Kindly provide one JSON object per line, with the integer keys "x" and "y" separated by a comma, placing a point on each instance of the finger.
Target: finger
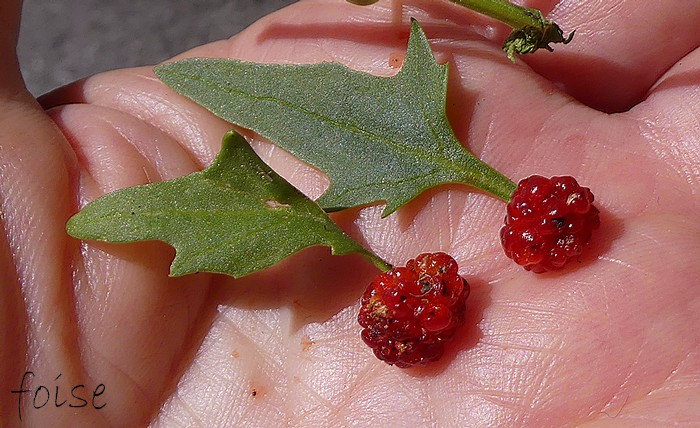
{"x": 12, "y": 315}
{"x": 620, "y": 49}
{"x": 34, "y": 205}
{"x": 668, "y": 119}
{"x": 74, "y": 320}
{"x": 138, "y": 324}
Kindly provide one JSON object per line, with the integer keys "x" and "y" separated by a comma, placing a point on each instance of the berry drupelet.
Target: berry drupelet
{"x": 548, "y": 222}
{"x": 410, "y": 312}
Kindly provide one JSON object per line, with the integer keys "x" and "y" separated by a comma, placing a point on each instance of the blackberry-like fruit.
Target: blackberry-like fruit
{"x": 410, "y": 312}
{"x": 548, "y": 222}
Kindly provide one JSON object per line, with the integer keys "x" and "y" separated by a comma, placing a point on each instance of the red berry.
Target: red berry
{"x": 409, "y": 312}
{"x": 548, "y": 222}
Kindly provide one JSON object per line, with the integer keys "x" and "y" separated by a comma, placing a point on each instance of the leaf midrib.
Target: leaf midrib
{"x": 201, "y": 212}
{"x": 444, "y": 161}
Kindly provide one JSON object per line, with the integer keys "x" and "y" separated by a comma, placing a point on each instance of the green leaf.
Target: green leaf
{"x": 377, "y": 138}
{"x": 236, "y": 217}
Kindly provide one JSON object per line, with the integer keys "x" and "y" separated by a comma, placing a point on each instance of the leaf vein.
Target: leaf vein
{"x": 445, "y": 162}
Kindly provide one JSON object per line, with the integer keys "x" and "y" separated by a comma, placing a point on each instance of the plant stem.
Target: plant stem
{"x": 531, "y": 31}
{"x": 513, "y": 15}
{"x": 484, "y": 177}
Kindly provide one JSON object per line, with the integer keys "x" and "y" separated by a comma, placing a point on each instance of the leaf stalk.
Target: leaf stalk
{"x": 510, "y": 14}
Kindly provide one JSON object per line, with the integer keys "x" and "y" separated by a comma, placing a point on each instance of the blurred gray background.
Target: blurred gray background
{"x": 64, "y": 40}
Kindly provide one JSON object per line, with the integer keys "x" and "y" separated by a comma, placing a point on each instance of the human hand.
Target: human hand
{"x": 610, "y": 340}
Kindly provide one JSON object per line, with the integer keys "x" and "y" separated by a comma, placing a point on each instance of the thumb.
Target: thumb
{"x": 11, "y": 82}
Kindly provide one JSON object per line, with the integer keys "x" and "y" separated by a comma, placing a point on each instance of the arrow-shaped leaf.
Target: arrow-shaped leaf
{"x": 378, "y": 138}
{"x": 235, "y": 217}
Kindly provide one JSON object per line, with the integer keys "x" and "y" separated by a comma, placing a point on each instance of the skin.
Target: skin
{"x": 611, "y": 340}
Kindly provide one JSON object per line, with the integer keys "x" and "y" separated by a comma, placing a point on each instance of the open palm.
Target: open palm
{"x": 611, "y": 339}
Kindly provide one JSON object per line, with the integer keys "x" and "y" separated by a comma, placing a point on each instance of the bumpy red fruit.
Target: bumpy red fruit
{"x": 548, "y": 222}
{"x": 410, "y": 312}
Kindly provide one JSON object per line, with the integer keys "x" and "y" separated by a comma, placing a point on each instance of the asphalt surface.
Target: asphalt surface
{"x": 64, "y": 40}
